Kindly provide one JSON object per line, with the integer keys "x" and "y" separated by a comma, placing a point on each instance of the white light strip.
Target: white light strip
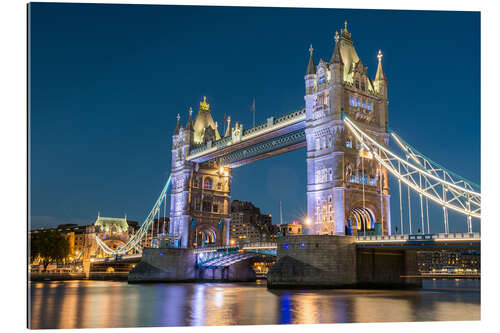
{"x": 355, "y": 130}
{"x": 375, "y": 143}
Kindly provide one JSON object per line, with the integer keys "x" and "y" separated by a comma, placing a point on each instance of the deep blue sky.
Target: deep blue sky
{"x": 107, "y": 82}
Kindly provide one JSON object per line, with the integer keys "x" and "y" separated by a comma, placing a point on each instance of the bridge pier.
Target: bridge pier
{"x": 325, "y": 261}
{"x": 179, "y": 265}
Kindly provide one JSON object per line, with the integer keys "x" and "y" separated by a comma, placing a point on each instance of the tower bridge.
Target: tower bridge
{"x": 344, "y": 126}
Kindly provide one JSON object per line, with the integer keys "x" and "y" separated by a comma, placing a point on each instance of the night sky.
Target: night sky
{"x": 107, "y": 82}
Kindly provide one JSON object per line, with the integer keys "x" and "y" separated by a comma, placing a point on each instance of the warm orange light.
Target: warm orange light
{"x": 307, "y": 220}
{"x": 221, "y": 170}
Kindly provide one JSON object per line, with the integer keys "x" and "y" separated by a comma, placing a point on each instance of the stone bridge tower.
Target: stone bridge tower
{"x": 347, "y": 190}
{"x": 200, "y": 193}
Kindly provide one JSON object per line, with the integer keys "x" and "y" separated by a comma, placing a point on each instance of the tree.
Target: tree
{"x": 49, "y": 246}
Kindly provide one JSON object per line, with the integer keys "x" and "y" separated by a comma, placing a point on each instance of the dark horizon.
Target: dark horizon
{"x": 107, "y": 82}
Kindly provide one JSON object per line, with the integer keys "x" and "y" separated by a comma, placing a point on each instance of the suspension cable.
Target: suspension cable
{"x": 456, "y": 203}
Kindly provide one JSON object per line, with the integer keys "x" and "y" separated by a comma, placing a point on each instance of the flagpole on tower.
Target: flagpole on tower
{"x": 253, "y": 111}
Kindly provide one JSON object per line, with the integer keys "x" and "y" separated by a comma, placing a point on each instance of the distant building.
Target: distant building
{"x": 459, "y": 261}
{"x": 292, "y": 229}
{"x": 248, "y": 225}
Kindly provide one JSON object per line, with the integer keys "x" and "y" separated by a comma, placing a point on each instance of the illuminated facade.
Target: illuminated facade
{"x": 248, "y": 225}
{"x": 200, "y": 192}
{"x": 347, "y": 191}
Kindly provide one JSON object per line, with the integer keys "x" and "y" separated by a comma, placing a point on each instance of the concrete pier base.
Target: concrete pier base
{"x": 179, "y": 265}
{"x": 313, "y": 261}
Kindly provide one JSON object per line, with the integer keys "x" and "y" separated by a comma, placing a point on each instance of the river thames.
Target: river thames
{"x": 94, "y": 304}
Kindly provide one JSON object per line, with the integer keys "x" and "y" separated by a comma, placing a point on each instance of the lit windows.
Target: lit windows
{"x": 352, "y": 102}
{"x": 348, "y": 143}
{"x": 207, "y": 183}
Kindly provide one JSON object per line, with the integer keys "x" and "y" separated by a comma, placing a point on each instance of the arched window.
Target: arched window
{"x": 348, "y": 143}
{"x": 330, "y": 174}
{"x": 207, "y": 183}
{"x": 318, "y": 144}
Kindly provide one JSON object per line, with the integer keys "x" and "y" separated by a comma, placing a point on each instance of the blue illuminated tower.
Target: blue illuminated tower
{"x": 347, "y": 190}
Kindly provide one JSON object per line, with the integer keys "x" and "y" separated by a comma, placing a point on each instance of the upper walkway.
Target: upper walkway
{"x": 273, "y": 137}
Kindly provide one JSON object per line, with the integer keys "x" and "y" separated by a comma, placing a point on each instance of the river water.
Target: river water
{"x": 89, "y": 304}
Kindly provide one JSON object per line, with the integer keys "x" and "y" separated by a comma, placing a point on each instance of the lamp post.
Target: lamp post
{"x": 307, "y": 223}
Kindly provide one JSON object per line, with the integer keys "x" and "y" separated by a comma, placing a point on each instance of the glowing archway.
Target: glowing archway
{"x": 362, "y": 219}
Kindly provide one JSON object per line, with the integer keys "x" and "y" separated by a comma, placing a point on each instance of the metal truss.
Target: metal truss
{"x": 235, "y": 158}
{"x": 425, "y": 177}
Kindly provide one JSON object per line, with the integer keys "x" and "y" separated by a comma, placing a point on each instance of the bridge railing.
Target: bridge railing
{"x": 259, "y": 245}
{"x": 458, "y": 236}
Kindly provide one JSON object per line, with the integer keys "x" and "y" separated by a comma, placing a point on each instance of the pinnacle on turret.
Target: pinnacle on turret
{"x": 189, "y": 125}
{"x": 380, "y": 70}
{"x": 336, "y": 56}
{"x": 311, "y": 67}
{"x": 178, "y": 124}
{"x": 228, "y": 130}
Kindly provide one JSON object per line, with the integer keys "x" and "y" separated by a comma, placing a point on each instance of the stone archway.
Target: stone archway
{"x": 362, "y": 219}
{"x": 206, "y": 235}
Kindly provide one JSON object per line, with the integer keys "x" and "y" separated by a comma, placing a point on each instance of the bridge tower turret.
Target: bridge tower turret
{"x": 346, "y": 192}
{"x": 200, "y": 192}
{"x": 180, "y": 174}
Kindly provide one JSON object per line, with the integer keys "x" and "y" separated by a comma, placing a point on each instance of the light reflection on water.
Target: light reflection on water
{"x": 87, "y": 304}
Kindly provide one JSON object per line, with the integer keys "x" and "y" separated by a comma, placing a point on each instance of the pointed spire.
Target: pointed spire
{"x": 336, "y": 56}
{"x": 344, "y": 33}
{"x": 228, "y": 129}
{"x": 178, "y": 124}
{"x": 380, "y": 70}
{"x": 311, "y": 68}
{"x": 189, "y": 124}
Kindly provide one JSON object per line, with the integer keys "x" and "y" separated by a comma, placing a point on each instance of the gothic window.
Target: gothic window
{"x": 352, "y": 102}
{"x": 369, "y": 106}
{"x": 323, "y": 142}
{"x": 330, "y": 141}
{"x": 329, "y": 198}
{"x": 362, "y": 86}
{"x": 363, "y": 104}
{"x": 330, "y": 208}
{"x": 330, "y": 174}
{"x": 318, "y": 176}
{"x": 207, "y": 206}
{"x": 318, "y": 144}
{"x": 373, "y": 181}
{"x": 357, "y": 84}
{"x": 219, "y": 186}
{"x": 353, "y": 179}
{"x": 348, "y": 143}
{"x": 323, "y": 210}
{"x": 197, "y": 205}
{"x": 208, "y": 183}
{"x": 358, "y": 102}
{"x": 215, "y": 207}
{"x": 323, "y": 175}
